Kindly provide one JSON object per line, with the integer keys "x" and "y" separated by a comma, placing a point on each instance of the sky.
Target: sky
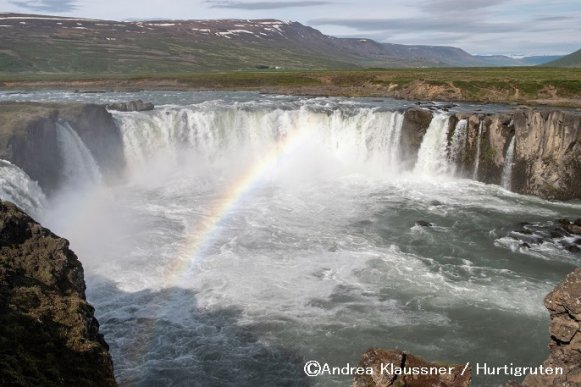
{"x": 485, "y": 27}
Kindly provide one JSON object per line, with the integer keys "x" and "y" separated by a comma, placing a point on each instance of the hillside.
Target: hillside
{"x": 32, "y": 43}
{"x": 47, "y": 44}
{"x": 437, "y": 56}
{"x": 571, "y": 60}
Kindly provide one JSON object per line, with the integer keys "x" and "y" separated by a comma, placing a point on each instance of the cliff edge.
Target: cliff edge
{"x": 48, "y": 332}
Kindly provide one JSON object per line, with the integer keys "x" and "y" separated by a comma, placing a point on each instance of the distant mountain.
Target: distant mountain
{"x": 539, "y": 60}
{"x": 49, "y": 44}
{"x": 571, "y": 60}
{"x": 506, "y": 61}
{"x": 436, "y": 55}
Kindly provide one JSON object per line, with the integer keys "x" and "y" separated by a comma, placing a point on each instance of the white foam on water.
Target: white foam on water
{"x": 320, "y": 253}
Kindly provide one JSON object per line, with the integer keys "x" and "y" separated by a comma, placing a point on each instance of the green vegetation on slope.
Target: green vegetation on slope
{"x": 571, "y": 60}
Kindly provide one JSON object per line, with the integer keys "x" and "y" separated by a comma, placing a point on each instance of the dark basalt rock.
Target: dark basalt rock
{"x": 48, "y": 333}
{"x": 131, "y": 106}
{"x": 557, "y": 233}
{"x": 571, "y": 228}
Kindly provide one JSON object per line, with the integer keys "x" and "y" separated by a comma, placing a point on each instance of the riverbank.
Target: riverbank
{"x": 531, "y": 86}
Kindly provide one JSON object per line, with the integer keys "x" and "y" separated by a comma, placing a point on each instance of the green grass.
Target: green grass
{"x": 475, "y": 84}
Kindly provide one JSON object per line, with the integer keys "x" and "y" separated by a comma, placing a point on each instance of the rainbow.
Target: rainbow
{"x": 201, "y": 240}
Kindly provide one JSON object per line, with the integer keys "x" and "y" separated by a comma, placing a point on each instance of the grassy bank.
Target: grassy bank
{"x": 534, "y": 85}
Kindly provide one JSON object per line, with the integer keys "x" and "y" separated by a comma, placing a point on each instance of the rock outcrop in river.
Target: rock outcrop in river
{"x": 48, "y": 332}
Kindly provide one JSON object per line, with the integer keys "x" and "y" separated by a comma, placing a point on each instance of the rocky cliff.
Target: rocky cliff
{"x": 48, "y": 333}
{"x": 28, "y": 139}
{"x": 547, "y": 154}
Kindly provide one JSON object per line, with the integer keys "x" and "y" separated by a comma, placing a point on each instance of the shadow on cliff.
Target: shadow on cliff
{"x": 165, "y": 338}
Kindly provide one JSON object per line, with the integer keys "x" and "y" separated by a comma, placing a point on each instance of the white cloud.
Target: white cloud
{"x": 478, "y": 26}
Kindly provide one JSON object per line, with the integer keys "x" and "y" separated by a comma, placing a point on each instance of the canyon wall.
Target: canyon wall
{"x": 28, "y": 139}
{"x": 547, "y": 149}
{"x": 545, "y": 162}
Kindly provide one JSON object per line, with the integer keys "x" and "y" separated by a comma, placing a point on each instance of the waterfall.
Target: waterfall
{"x": 478, "y": 145}
{"x": 458, "y": 144}
{"x": 17, "y": 187}
{"x": 80, "y": 168}
{"x": 359, "y": 137}
{"x": 433, "y": 153}
{"x": 506, "y": 181}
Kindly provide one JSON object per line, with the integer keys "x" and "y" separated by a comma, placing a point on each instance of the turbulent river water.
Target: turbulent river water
{"x": 255, "y": 233}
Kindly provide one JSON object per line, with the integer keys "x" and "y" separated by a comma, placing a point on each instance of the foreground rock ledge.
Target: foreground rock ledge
{"x": 48, "y": 333}
{"x": 378, "y": 358}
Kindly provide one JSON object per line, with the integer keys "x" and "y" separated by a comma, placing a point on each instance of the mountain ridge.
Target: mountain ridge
{"x": 53, "y": 44}
{"x": 571, "y": 60}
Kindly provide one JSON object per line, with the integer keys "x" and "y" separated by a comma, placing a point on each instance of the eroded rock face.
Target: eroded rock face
{"x": 48, "y": 332}
{"x": 381, "y": 360}
{"x": 547, "y": 157}
{"x": 98, "y": 130}
{"x": 28, "y": 139}
{"x": 564, "y": 305}
{"x": 414, "y": 127}
{"x": 548, "y": 154}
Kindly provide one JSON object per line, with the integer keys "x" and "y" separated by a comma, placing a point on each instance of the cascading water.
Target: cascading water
{"x": 80, "y": 168}
{"x": 506, "y": 181}
{"x": 17, "y": 187}
{"x": 363, "y": 137}
{"x": 478, "y": 145}
{"x": 433, "y": 153}
{"x": 257, "y": 232}
{"x": 458, "y": 144}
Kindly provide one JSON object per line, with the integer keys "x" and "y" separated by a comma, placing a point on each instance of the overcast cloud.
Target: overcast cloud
{"x": 254, "y": 5}
{"x": 512, "y": 27}
{"x": 52, "y": 6}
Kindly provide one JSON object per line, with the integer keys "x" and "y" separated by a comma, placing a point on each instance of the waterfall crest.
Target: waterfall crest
{"x": 362, "y": 137}
{"x": 80, "y": 168}
{"x": 458, "y": 144}
{"x": 506, "y": 181}
{"x": 478, "y": 147}
{"x": 433, "y": 154}
{"x": 17, "y": 187}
